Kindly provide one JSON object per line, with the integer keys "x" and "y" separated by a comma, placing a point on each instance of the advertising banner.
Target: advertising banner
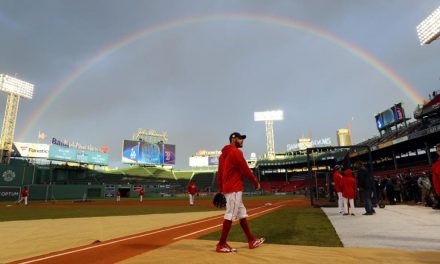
{"x": 392, "y": 116}
{"x": 379, "y": 122}
{"x": 212, "y": 161}
{"x": 98, "y": 158}
{"x": 9, "y": 193}
{"x": 62, "y": 153}
{"x": 399, "y": 114}
{"x": 30, "y": 150}
{"x": 169, "y": 154}
{"x": 142, "y": 152}
{"x": 197, "y": 161}
{"x": 150, "y": 153}
{"x": 388, "y": 117}
{"x": 78, "y": 156}
{"x": 130, "y": 151}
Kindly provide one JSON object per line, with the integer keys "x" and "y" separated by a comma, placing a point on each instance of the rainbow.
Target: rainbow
{"x": 384, "y": 70}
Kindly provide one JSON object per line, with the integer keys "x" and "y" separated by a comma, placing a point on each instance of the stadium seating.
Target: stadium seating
{"x": 417, "y": 171}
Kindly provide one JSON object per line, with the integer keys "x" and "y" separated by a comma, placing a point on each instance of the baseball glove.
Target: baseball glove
{"x": 219, "y": 200}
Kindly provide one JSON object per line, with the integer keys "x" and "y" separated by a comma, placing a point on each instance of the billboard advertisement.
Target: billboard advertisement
{"x": 141, "y": 152}
{"x": 169, "y": 154}
{"x": 388, "y": 117}
{"x": 30, "y": 150}
{"x": 213, "y": 161}
{"x": 203, "y": 161}
{"x": 78, "y": 156}
{"x": 62, "y": 153}
{"x": 98, "y": 158}
{"x": 399, "y": 113}
{"x": 379, "y": 122}
{"x": 198, "y": 161}
{"x": 9, "y": 193}
{"x": 392, "y": 116}
{"x": 150, "y": 153}
{"x": 130, "y": 151}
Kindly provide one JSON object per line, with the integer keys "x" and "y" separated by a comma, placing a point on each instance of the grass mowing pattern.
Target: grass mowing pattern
{"x": 56, "y": 212}
{"x": 305, "y": 226}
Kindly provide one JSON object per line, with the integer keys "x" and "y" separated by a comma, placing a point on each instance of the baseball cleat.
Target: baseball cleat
{"x": 256, "y": 243}
{"x": 225, "y": 249}
{"x": 232, "y": 249}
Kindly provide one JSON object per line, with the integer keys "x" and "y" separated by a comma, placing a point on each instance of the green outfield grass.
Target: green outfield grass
{"x": 305, "y": 226}
{"x": 63, "y": 209}
{"x": 54, "y": 212}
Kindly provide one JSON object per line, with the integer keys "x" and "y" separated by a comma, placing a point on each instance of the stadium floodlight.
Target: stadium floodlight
{"x": 429, "y": 29}
{"x": 13, "y": 85}
{"x": 15, "y": 89}
{"x": 269, "y": 117}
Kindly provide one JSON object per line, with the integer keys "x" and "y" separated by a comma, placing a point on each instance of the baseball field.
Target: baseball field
{"x": 168, "y": 229}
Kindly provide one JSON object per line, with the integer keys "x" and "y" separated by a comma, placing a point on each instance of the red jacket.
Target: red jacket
{"x": 192, "y": 189}
{"x": 436, "y": 176}
{"x": 118, "y": 193}
{"x": 337, "y": 179}
{"x": 141, "y": 192}
{"x": 348, "y": 185}
{"x": 24, "y": 193}
{"x": 231, "y": 169}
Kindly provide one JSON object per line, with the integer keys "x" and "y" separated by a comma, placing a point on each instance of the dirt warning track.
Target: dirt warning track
{"x": 126, "y": 247}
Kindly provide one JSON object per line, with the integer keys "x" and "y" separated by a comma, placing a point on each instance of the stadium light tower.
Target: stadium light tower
{"x": 15, "y": 89}
{"x": 429, "y": 29}
{"x": 269, "y": 117}
{"x": 150, "y": 136}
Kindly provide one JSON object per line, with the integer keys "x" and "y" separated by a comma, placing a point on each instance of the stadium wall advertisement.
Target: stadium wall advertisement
{"x": 9, "y": 193}
{"x": 141, "y": 152}
{"x": 30, "y": 150}
{"x": 75, "y": 155}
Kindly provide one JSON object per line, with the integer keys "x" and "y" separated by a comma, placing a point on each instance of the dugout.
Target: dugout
{"x": 320, "y": 164}
{"x": 125, "y": 191}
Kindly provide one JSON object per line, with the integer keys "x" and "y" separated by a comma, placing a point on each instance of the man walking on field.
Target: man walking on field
{"x": 232, "y": 168}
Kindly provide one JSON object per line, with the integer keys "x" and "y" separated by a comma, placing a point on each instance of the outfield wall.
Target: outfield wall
{"x": 47, "y": 182}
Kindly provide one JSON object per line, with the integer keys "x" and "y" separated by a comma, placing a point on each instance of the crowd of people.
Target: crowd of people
{"x": 422, "y": 189}
{"x": 406, "y": 188}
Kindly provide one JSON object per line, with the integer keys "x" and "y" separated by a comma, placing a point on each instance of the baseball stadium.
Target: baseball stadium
{"x": 374, "y": 201}
{"x": 72, "y": 214}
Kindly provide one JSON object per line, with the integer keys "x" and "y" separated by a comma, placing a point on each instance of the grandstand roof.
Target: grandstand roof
{"x": 336, "y": 155}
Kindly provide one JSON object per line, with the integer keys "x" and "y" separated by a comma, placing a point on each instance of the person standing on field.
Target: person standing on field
{"x": 436, "y": 177}
{"x": 337, "y": 181}
{"x": 348, "y": 191}
{"x": 118, "y": 196}
{"x": 24, "y": 196}
{"x": 141, "y": 194}
{"x": 192, "y": 190}
{"x": 232, "y": 168}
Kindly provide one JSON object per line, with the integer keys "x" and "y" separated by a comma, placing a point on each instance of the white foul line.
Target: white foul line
{"x": 121, "y": 240}
{"x": 201, "y": 230}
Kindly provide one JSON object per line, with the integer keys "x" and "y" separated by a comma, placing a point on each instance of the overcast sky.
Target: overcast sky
{"x": 203, "y": 79}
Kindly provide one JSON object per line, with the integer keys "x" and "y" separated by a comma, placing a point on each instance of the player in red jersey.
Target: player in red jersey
{"x": 141, "y": 194}
{"x": 24, "y": 196}
{"x": 192, "y": 190}
{"x": 232, "y": 168}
